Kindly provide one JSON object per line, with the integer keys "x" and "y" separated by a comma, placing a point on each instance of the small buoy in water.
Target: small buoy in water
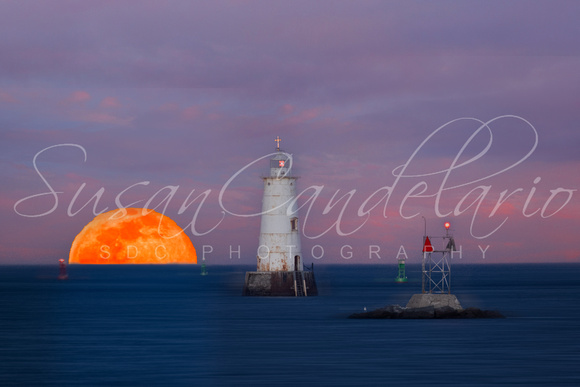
{"x": 62, "y": 275}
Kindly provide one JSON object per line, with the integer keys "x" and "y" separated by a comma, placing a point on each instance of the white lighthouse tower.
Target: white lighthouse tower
{"x": 280, "y": 270}
{"x": 279, "y": 248}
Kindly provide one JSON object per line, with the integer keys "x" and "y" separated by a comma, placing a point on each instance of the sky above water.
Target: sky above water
{"x": 399, "y": 115}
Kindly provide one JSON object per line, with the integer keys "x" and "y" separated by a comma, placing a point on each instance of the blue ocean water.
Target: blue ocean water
{"x": 167, "y": 325}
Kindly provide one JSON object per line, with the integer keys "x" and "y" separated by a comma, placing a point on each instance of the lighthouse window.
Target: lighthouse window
{"x": 294, "y": 224}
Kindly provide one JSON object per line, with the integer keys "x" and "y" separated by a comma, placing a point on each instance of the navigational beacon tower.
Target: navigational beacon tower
{"x": 280, "y": 268}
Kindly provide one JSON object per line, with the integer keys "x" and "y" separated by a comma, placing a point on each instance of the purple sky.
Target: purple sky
{"x": 186, "y": 94}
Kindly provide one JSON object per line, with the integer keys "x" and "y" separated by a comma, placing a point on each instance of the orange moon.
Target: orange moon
{"x": 140, "y": 236}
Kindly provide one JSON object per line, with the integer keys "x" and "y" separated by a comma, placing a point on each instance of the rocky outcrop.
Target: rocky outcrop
{"x": 427, "y": 312}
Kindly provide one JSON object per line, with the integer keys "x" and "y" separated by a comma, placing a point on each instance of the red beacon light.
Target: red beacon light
{"x": 447, "y": 225}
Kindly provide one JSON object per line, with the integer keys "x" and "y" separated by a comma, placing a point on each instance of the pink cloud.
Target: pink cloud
{"x": 287, "y": 109}
{"x": 110, "y": 102}
{"x": 78, "y": 97}
{"x": 306, "y": 115}
{"x": 103, "y": 118}
{"x": 169, "y": 107}
{"x": 7, "y": 97}
{"x": 191, "y": 113}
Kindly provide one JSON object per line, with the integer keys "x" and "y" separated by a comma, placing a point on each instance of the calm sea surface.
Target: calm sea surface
{"x": 167, "y": 325}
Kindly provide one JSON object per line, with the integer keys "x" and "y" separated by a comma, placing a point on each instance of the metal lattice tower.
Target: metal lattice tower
{"x": 436, "y": 271}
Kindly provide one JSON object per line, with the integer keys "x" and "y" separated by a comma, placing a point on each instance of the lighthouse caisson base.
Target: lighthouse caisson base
{"x": 280, "y": 284}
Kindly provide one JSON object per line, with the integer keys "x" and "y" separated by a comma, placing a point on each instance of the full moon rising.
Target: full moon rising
{"x": 132, "y": 235}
